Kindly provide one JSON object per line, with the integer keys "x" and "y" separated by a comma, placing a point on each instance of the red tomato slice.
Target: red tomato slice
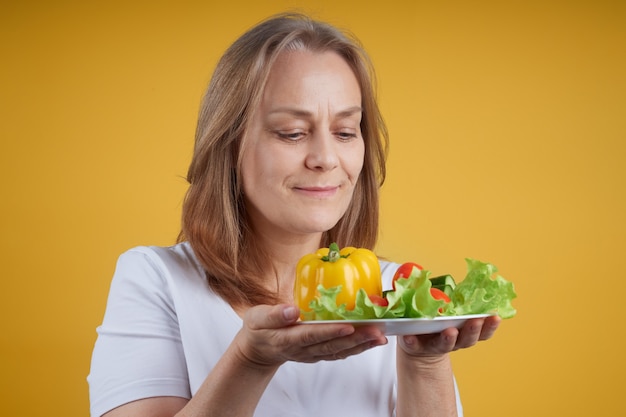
{"x": 378, "y": 300}
{"x": 439, "y": 295}
{"x": 404, "y": 271}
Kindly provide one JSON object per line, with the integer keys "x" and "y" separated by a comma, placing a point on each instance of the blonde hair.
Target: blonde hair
{"x": 214, "y": 217}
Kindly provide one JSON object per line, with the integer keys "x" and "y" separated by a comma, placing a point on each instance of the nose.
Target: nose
{"x": 322, "y": 152}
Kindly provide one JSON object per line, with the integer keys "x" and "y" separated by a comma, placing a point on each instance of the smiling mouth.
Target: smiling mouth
{"x": 318, "y": 192}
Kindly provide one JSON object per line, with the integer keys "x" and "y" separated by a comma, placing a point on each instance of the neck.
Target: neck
{"x": 283, "y": 257}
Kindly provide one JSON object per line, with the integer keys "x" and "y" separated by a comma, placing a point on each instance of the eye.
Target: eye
{"x": 290, "y": 135}
{"x": 346, "y": 135}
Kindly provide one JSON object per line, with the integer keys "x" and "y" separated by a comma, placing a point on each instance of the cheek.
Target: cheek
{"x": 247, "y": 166}
{"x": 262, "y": 167}
{"x": 354, "y": 163}
{"x": 249, "y": 173}
{"x": 253, "y": 159}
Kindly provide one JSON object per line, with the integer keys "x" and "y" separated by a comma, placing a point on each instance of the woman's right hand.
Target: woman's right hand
{"x": 269, "y": 337}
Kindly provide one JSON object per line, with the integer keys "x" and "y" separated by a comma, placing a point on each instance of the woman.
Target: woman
{"x": 289, "y": 156}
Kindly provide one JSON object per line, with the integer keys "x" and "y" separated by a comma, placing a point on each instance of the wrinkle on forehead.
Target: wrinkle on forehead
{"x": 290, "y": 91}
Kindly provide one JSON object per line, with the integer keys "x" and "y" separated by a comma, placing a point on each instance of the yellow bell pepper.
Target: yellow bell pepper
{"x": 349, "y": 267}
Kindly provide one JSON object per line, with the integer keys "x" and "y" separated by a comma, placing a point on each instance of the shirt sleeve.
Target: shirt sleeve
{"x": 138, "y": 353}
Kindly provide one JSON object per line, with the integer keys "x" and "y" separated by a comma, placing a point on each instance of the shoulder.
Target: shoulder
{"x": 157, "y": 269}
{"x": 180, "y": 254}
{"x": 162, "y": 260}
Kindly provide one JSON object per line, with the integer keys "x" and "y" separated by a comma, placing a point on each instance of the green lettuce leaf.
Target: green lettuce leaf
{"x": 479, "y": 293}
{"x": 412, "y": 299}
{"x": 325, "y": 307}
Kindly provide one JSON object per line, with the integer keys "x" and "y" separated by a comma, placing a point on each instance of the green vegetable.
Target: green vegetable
{"x": 478, "y": 293}
{"x": 444, "y": 283}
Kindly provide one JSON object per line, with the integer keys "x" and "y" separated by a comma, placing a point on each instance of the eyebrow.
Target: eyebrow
{"x": 305, "y": 113}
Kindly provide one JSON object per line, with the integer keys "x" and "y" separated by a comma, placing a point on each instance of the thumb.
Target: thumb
{"x": 272, "y": 317}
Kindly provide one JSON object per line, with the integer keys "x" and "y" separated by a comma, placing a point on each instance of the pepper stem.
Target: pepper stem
{"x": 333, "y": 252}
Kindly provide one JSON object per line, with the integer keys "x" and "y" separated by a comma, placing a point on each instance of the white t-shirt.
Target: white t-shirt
{"x": 164, "y": 329}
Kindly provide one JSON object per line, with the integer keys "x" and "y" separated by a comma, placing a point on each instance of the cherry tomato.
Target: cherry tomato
{"x": 378, "y": 300}
{"x": 404, "y": 271}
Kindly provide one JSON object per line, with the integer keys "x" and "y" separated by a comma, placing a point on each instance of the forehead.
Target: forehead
{"x": 303, "y": 74}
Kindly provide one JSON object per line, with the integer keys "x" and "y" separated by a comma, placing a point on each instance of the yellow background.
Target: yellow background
{"x": 508, "y": 128}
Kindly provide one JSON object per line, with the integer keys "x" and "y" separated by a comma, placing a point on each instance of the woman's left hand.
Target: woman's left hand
{"x": 435, "y": 345}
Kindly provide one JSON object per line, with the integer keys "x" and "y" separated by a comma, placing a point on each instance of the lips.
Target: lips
{"x": 317, "y": 191}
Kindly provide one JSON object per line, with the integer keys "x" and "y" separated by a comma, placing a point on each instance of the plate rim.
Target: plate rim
{"x": 399, "y": 319}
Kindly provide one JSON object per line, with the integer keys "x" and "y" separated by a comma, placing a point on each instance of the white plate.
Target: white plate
{"x": 407, "y": 326}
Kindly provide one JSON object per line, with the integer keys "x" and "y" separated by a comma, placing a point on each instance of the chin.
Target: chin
{"x": 320, "y": 226}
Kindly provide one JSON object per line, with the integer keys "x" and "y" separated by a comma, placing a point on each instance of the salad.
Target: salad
{"x": 416, "y": 295}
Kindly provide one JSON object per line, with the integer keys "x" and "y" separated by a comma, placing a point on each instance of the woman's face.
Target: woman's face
{"x": 303, "y": 149}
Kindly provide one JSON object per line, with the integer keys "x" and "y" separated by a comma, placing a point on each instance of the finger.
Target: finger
{"x": 271, "y": 317}
{"x": 445, "y": 341}
{"x": 489, "y": 328}
{"x": 448, "y": 339}
{"x": 354, "y": 350}
{"x": 311, "y": 335}
{"x": 336, "y": 337}
{"x": 470, "y": 333}
{"x": 431, "y": 344}
{"x": 341, "y": 345}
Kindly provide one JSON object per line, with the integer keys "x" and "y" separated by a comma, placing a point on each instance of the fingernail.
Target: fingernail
{"x": 379, "y": 342}
{"x": 291, "y": 313}
{"x": 346, "y": 331}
